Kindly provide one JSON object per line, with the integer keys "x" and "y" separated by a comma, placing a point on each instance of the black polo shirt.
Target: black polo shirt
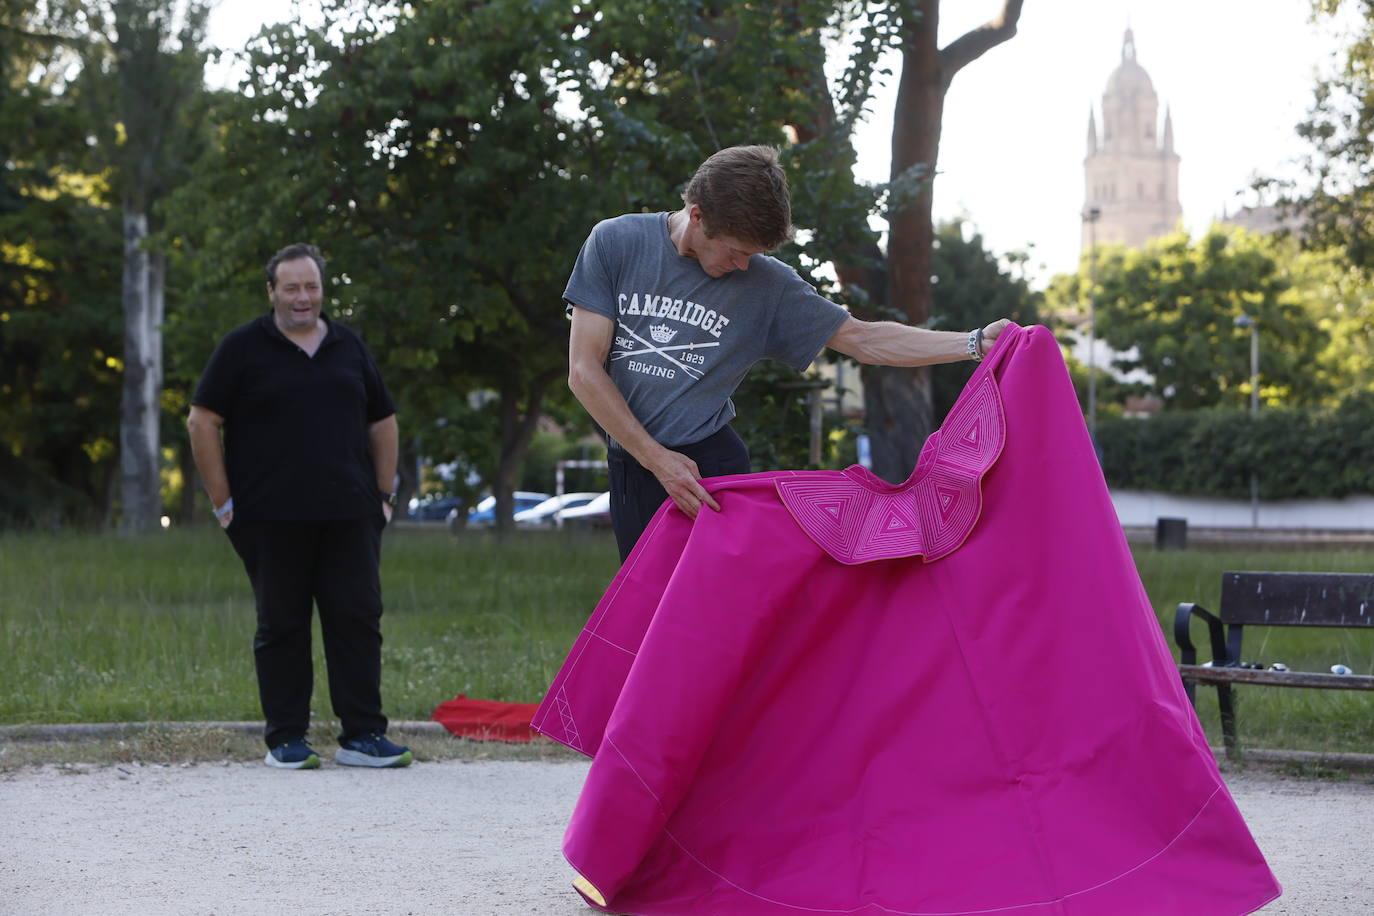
{"x": 295, "y": 426}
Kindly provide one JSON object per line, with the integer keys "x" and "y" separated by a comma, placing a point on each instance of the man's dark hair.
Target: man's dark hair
{"x": 292, "y": 253}
{"x": 742, "y": 193}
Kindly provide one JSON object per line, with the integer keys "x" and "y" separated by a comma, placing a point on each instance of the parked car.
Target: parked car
{"x": 432, "y": 508}
{"x": 596, "y": 513}
{"x": 542, "y": 515}
{"x": 483, "y": 515}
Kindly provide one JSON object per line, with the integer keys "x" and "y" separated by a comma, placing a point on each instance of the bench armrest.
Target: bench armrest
{"x": 1187, "y": 651}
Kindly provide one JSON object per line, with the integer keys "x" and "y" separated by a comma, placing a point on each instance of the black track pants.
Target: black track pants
{"x": 333, "y": 565}
{"x": 636, "y": 493}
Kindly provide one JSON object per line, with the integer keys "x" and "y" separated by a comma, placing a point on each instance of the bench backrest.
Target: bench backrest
{"x": 1279, "y": 599}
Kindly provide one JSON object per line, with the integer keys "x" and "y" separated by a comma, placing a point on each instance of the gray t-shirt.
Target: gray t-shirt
{"x": 685, "y": 340}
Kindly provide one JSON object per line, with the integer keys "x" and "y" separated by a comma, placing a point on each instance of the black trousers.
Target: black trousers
{"x": 636, "y": 493}
{"x": 333, "y": 565}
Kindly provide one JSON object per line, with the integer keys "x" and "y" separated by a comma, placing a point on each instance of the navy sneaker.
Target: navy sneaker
{"x": 293, "y": 755}
{"x": 372, "y": 750}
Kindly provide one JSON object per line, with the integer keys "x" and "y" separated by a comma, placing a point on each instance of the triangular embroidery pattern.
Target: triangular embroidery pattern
{"x": 931, "y": 517}
{"x": 570, "y": 735}
{"x": 975, "y": 429}
{"x": 948, "y": 501}
{"x": 894, "y": 530}
{"x": 830, "y": 509}
{"x": 948, "y": 498}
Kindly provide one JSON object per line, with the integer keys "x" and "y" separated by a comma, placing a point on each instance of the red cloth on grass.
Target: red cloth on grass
{"x": 486, "y": 720}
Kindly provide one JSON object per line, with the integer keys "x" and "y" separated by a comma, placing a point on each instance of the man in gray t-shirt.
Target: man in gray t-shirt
{"x": 669, "y": 312}
{"x": 683, "y": 339}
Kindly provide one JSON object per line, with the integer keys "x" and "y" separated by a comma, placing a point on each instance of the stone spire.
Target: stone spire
{"x": 1168, "y": 130}
{"x": 1092, "y": 131}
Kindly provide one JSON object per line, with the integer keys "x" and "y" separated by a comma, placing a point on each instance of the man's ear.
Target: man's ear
{"x": 697, "y": 217}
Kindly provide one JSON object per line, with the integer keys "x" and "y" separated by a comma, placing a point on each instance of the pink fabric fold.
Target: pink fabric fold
{"x": 949, "y": 696}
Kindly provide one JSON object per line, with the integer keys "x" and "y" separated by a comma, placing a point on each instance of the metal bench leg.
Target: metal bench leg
{"x": 1228, "y": 722}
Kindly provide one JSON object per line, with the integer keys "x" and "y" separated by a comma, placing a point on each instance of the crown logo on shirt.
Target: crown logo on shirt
{"x": 661, "y": 333}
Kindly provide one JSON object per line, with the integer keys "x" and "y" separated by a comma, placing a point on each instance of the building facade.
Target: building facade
{"x": 1131, "y": 169}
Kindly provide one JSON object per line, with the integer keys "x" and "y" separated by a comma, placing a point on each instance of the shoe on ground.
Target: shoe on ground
{"x": 293, "y": 755}
{"x": 372, "y": 750}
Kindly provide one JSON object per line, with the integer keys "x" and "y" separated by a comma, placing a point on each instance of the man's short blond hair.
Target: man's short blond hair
{"x": 742, "y": 193}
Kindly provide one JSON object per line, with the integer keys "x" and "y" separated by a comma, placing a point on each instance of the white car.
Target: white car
{"x": 596, "y": 512}
{"x": 483, "y": 515}
{"x": 542, "y": 515}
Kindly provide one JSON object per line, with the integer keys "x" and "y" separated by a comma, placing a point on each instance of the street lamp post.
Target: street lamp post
{"x": 1246, "y": 321}
{"x": 1090, "y": 216}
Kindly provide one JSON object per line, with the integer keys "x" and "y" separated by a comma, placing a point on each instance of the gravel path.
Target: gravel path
{"x": 464, "y": 838}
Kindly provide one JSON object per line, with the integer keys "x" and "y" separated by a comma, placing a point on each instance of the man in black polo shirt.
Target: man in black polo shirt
{"x": 302, "y": 486}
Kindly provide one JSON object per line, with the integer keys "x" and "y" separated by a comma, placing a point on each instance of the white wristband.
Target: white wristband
{"x": 225, "y": 509}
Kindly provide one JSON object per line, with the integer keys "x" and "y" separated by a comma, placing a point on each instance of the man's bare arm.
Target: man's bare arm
{"x": 588, "y": 346}
{"x": 204, "y": 426}
{"x": 887, "y": 343}
{"x": 383, "y": 440}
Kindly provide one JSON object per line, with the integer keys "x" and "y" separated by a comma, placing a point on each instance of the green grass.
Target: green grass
{"x": 99, "y": 628}
{"x": 160, "y": 628}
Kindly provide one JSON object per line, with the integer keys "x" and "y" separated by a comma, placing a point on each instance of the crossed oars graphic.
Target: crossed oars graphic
{"x": 663, "y": 351}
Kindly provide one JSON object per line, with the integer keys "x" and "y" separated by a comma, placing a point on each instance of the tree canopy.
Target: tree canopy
{"x": 1170, "y": 309}
{"x": 452, "y": 180}
{"x": 448, "y": 156}
{"x": 60, "y": 350}
{"x": 1336, "y": 200}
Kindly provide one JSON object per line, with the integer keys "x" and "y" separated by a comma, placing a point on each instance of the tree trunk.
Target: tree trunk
{"x": 110, "y": 509}
{"x": 898, "y": 415}
{"x": 899, "y": 412}
{"x": 188, "y": 509}
{"x": 409, "y": 470}
{"x": 517, "y": 431}
{"x": 142, "y": 293}
{"x": 897, "y": 402}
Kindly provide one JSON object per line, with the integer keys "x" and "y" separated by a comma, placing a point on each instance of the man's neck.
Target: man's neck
{"x": 300, "y": 334}
{"x": 677, "y": 230}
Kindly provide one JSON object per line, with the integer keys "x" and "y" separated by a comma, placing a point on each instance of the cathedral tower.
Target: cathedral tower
{"x": 1131, "y": 172}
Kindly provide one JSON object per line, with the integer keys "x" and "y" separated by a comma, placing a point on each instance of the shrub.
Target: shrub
{"x": 1297, "y": 453}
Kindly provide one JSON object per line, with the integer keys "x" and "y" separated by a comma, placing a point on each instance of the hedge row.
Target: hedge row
{"x": 1298, "y": 453}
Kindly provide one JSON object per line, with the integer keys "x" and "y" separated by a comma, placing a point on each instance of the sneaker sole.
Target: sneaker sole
{"x": 349, "y": 758}
{"x": 310, "y": 763}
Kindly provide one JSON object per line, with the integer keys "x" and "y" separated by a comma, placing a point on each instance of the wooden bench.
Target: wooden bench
{"x": 1270, "y": 599}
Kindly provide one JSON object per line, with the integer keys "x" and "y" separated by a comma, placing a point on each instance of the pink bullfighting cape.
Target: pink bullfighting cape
{"x": 950, "y": 696}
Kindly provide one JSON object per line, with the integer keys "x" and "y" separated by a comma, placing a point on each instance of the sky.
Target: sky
{"x": 1237, "y": 76}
